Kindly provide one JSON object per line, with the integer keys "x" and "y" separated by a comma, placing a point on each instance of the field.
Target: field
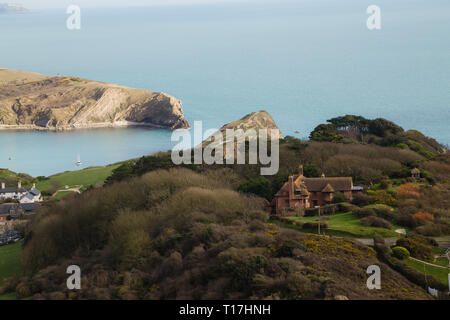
{"x": 9, "y": 264}
{"x": 440, "y": 274}
{"x": 84, "y": 177}
{"x": 347, "y": 224}
{"x": 9, "y": 260}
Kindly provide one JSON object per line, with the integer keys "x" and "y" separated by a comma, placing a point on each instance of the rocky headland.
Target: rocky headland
{"x": 31, "y": 101}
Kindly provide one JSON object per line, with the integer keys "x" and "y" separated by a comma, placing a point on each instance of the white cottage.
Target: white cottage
{"x": 24, "y": 195}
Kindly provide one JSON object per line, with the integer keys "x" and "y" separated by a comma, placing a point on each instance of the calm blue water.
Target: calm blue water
{"x": 304, "y": 61}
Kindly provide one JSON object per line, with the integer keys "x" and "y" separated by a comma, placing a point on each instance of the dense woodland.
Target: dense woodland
{"x": 201, "y": 232}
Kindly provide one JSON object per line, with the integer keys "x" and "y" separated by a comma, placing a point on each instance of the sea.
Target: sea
{"x": 304, "y": 61}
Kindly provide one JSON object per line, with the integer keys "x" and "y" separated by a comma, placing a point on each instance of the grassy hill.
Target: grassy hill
{"x": 441, "y": 274}
{"x": 179, "y": 234}
{"x": 85, "y": 177}
{"x": 11, "y": 178}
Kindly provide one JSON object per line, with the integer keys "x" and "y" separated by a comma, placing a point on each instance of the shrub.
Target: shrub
{"x": 408, "y": 190}
{"x": 361, "y": 199}
{"x": 384, "y": 212}
{"x": 376, "y": 222}
{"x": 346, "y": 207}
{"x": 422, "y": 218}
{"x": 432, "y": 229}
{"x": 383, "y": 197}
{"x": 385, "y": 184}
{"x": 364, "y": 212}
{"x": 339, "y": 197}
{"x": 259, "y": 186}
{"x": 416, "y": 248}
{"x": 405, "y": 220}
{"x": 315, "y": 225}
{"x": 400, "y": 253}
{"x": 422, "y": 239}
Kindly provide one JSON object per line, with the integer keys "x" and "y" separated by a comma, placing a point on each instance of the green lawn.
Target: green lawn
{"x": 442, "y": 262}
{"x": 62, "y": 194}
{"x": 9, "y": 260}
{"x": 440, "y": 274}
{"x": 347, "y": 224}
{"x": 9, "y": 265}
{"x": 85, "y": 177}
{"x": 8, "y": 296}
{"x": 328, "y": 232}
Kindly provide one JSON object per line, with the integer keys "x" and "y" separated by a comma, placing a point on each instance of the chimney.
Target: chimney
{"x": 300, "y": 170}
{"x": 291, "y": 186}
{"x": 3, "y": 185}
{"x": 323, "y": 175}
{"x": 34, "y": 186}
{"x": 19, "y": 185}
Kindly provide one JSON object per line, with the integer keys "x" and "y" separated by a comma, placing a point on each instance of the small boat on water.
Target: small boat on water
{"x": 78, "y": 163}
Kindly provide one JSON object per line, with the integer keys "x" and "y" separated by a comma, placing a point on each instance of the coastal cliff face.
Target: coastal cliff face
{"x": 254, "y": 121}
{"x": 33, "y": 101}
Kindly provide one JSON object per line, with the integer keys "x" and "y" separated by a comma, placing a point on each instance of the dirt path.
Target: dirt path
{"x": 77, "y": 190}
{"x": 369, "y": 242}
{"x": 443, "y": 242}
{"x": 430, "y": 264}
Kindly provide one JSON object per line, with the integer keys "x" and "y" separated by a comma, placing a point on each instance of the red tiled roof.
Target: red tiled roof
{"x": 338, "y": 184}
{"x": 328, "y": 188}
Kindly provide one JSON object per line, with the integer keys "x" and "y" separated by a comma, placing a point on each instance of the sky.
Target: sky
{"x": 40, "y": 4}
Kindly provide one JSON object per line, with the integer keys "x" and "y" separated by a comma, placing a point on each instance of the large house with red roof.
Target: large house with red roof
{"x": 302, "y": 192}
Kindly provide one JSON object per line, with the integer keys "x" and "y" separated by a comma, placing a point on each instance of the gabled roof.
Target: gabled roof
{"x": 338, "y": 184}
{"x": 323, "y": 184}
{"x": 35, "y": 191}
{"x": 299, "y": 184}
{"x": 13, "y": 190}
{"x": 285, "y": 188}
{"x": 28, "y": 196}
{"x": 328, "y": 188}
{"x": 415, "y": 170}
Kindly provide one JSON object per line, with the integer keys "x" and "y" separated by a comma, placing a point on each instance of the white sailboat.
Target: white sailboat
{"x": 78, "y": 163}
